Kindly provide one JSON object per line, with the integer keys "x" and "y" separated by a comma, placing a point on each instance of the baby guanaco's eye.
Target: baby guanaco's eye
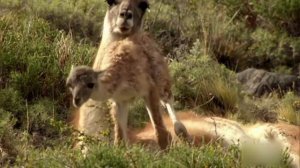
{"x": 90, "y": 85}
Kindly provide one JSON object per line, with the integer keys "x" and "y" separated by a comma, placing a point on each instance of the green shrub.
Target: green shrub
{"x": 35, "y": 58}
{"x": 276, "y": 14}
{"x": 82, "y": 19}
{"x": 8, "y": 150}
{"x": 11, "y": 101}
{"x": 282, "y": 13}
{"x": 271, "y": 50}
{"x": 199, "y": 81}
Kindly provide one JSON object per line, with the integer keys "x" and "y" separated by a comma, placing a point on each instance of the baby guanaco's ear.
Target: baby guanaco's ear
{"x": 68, "y": 82}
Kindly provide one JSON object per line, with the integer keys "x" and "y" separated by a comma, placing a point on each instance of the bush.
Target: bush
{"x": 202, "y": 82}
{"x": 35, "y": 58}
{"x": 11, "y": 101}
{"x": 271, "y": 50}
{"x": 282, "y": 13}
{"x": 8, "y": 150}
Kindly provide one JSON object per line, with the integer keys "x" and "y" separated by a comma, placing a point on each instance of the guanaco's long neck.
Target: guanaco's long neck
{"x": 107, "y": 38}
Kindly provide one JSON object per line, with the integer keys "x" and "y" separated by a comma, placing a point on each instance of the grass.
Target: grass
{"x": 104, "y": 155}
{"x": 201, "y": 82}
{"x": 289, "y": 109}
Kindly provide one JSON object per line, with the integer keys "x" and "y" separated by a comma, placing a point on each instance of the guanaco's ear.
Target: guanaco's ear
{"x": 144, "y": 5}
{"x": 111, "y": 2}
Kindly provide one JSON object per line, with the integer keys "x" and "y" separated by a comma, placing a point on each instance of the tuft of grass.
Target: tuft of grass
{"x": 289, "y": 108}
{"x": 201, "y": 82}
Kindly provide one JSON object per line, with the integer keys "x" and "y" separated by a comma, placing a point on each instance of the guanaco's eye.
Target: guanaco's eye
{"x": 90, "y": 85}
{"x": 129, "y": 16}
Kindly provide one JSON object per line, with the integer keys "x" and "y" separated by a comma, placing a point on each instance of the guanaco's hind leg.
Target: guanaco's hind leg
{"x": 119, "y": 113}
{"x": 152, "y": 104}
{"x": 179, "y": 128}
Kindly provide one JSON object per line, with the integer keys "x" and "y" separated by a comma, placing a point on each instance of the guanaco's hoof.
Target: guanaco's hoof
{"x": 164, "y": 139}
{"x": 181, "y": 131}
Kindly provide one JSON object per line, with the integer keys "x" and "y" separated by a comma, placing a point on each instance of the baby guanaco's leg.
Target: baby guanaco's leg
{"x": 152, "y": 104}
{"x": 119, "y": 113}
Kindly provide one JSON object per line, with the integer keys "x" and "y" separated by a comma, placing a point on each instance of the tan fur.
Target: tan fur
{"x": 292, "y": 133}
{"x": 159, "y": 71}
{"x": 128, "y": 73}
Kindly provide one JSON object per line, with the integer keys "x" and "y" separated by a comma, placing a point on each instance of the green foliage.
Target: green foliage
{"x": 11, "y": 101}
{"x": 283, "y": 13}
{"x": 106, "y": 156}
{"x": 275, "y": 48}
{"x": 201, "y": 82}
{"x": 40, "y": 64}
{"x": 289, "y": 109}
{"x": 59, "y": 157}
{"x": 7, "y": 138}
{"x": 138, "y": 114}
{"x": 42, "y": 119}
{"x": 82, "y": 19}
{"x": 103, "y": 155}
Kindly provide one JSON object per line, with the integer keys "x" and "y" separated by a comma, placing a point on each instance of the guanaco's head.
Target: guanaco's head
{"x": 82, "y": 82}
{"x": 126, "y": 16}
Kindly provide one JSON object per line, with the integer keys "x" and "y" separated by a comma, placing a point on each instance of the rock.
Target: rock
{"x": 259, "y": 82}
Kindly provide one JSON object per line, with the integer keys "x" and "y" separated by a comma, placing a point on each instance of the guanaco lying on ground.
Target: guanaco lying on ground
{"x": 267, "y": 140}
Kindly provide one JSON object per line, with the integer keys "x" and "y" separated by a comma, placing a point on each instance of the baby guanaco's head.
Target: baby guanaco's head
{"x": 82, "y": 82}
